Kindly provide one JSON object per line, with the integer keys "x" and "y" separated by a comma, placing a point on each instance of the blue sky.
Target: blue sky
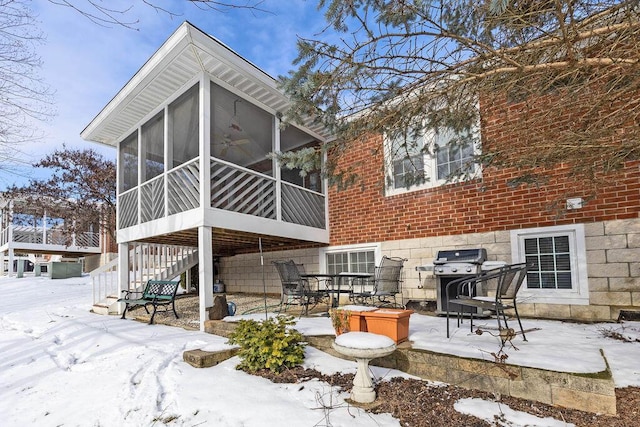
{"x": 86, "y": 64}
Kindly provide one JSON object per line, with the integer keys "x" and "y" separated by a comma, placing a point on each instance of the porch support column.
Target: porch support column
{"x": 123, "y": 271}
{"x": 205, "y": 272}
{"x": 10, "y": 270}
{"x": 44, "y": 228}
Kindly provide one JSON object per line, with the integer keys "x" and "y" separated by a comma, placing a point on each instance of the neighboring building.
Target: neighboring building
{"x": 28, "y": 239}
{"x": 193, "y": 129}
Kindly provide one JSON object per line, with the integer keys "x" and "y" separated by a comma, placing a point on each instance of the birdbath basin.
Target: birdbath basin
{"x": 363, "y": 346}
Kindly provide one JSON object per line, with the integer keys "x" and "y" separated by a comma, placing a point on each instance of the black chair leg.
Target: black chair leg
{"x": 515, "y": 308}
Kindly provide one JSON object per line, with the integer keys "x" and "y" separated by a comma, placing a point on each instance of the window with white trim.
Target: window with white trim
{"x": 421, "y": 159}
{"x": 352, "y": 259}
{"x": 557, "y": 256}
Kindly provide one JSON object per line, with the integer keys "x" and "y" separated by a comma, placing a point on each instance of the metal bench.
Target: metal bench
{"x": 156, "y": 293}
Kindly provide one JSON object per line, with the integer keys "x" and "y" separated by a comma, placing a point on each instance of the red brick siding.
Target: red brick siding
{"x": 363, "y": 214}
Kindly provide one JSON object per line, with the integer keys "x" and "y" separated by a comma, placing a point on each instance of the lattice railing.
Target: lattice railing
{"x": 88, "y": 240}
{"x": 55, "y": 237}
{"x": 233, "y": 188}
{"x": 184, "y": 187}
{"x": 27, "y": 235}
{"x": 152, "y": 199}
{"x": 302, "y": 206}
{"x": 4, "y": 238}
{"x": 128, "y": 208}
{"x": 242, "y": 190}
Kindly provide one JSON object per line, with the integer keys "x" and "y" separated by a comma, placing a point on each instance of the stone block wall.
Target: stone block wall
{"x": 613, "y": 267}
{"x": 244, "y": 273}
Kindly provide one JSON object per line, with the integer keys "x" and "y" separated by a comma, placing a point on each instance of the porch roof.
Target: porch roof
{"x": 231, "y": 242}
{"x": 187, "y": 53}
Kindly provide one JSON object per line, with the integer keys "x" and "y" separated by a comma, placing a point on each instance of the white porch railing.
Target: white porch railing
{"x": 146, "y": 261}
{"x": 242, "y": 190}
{"x": 38, "y": 236}
{"x": 302, "y": 206}
{"x": 183, "y": 187}
{"x": 232, "y": 187}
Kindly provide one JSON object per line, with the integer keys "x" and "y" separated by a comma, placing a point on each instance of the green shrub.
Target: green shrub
{"x": 270, "y": 344}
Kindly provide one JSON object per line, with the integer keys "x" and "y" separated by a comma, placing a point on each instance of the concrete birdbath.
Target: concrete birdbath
{"x": 363, "y": 346}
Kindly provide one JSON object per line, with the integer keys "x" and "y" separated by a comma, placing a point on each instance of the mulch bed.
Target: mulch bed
{"x": 418, "y": 403}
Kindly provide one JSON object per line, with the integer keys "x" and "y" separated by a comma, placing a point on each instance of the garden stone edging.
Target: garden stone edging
{"x": 586, "y": 392}
{"x": 590, "y": 392}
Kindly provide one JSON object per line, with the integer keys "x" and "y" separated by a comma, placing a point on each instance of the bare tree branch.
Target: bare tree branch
{"x": 402, "y": 65}
{"x": 23, "y": 94}
{"x": 81, "y": 191}
{"x": 107, "y": 16}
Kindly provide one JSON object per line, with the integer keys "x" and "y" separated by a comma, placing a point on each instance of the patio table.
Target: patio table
{"x": 335, "y": 283}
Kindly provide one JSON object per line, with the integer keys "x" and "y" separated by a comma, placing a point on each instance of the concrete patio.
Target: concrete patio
{"x": 570, "y": 365}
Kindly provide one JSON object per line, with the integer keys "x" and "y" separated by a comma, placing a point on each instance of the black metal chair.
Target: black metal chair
{"x": 387, "y": 281}
{"x": 468, "y": 292}
{"x": 296, "y": 289}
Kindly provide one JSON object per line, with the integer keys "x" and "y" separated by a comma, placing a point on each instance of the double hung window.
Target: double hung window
{"x": 423, "y": 159}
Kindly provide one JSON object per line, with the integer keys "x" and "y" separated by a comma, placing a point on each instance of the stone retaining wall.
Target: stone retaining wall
{"x": 593, "y": 392}
{"x": 586, "y": 392}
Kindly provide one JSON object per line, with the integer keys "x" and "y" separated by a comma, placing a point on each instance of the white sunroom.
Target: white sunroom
{"x": 194, "y": 128}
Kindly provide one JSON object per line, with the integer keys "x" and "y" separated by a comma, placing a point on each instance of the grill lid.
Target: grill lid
{"x": 472, "y": 256}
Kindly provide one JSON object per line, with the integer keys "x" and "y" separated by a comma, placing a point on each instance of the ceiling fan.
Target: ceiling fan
{"x": 226, "y": 142}
{"x": 234, "y": 135}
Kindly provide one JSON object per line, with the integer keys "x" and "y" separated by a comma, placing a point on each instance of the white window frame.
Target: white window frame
{"x": 430, "y": 164}
{"x": 579, "y": 294}
{"x": 375, "y": 247}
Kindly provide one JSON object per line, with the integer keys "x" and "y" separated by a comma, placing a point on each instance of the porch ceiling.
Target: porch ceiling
{"x": 231, "y": 242}
{"x": 179, "y": 61}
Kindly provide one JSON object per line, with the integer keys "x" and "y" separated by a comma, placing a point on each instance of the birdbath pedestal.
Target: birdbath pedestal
{"x": 363, "y": 346}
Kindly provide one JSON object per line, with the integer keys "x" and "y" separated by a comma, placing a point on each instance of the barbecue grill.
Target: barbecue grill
{"x": 451, "y": 265}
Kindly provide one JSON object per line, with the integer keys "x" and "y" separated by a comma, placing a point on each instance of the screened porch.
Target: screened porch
{"x": 161, "y": 167}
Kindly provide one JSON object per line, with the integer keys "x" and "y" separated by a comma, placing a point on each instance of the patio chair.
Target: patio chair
{"x": 296, "y": 289}
{"x": 386, "y": 284}
{"x": 468, "y": 291}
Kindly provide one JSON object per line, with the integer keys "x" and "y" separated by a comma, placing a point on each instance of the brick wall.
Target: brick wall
{"x": 480, "y": 213}
{"x": 361, "y": 213}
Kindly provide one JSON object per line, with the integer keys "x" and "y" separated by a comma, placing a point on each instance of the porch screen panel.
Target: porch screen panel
{"x": 241, "y": 132}
{"x": 184, "y": 114}
{"x": 128, "y": 163}
{"x": 153, "y": 146}
{"x": 293, "y": 139}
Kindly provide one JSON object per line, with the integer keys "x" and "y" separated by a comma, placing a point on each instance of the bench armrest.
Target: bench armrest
{"x": 127, "y": 293}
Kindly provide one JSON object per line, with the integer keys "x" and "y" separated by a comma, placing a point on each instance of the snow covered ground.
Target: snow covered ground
{"x": 62, "y": 365}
